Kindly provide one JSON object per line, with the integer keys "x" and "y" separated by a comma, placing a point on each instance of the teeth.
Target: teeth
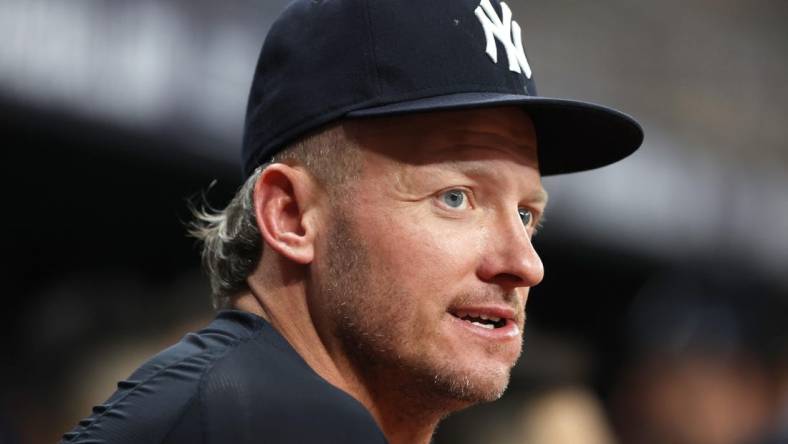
{"x": 478, "y": 315}
{"x": 487, "y": 326}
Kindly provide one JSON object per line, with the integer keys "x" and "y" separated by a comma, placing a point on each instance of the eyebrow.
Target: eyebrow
{"x": 540, "y": 196}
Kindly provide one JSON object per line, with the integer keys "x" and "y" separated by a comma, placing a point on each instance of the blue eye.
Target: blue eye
{"x": 526, "y": 216}
{"x": 454, "y": 198}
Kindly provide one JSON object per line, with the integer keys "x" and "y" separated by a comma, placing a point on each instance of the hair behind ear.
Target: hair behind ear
{"x": 231, "y": 242}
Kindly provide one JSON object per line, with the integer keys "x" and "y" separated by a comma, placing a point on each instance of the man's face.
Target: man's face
{"x": 423, "y": 277}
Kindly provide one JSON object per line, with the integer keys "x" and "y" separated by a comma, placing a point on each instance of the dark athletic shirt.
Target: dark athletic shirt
{"x": 235, "y": 381}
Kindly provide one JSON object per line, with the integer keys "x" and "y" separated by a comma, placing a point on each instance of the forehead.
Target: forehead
{"x": 448, "y": 136}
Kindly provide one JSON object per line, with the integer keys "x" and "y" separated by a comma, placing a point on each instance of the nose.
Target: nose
{"x": 510, "y": 259}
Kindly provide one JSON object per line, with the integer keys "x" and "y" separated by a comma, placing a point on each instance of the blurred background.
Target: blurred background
{"x": 663, "y": 315}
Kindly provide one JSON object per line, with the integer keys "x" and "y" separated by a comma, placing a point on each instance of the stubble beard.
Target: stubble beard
{"x": 377, "y": 338}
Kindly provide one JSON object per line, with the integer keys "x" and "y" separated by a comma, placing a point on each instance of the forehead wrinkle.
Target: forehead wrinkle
{"x": 457, "y": 141}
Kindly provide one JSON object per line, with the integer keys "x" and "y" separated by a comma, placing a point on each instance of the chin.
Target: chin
{"x": 472, "y": 385}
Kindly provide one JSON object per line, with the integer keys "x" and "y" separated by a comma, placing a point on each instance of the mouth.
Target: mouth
{"x": 481, "y": 320}
{"x": 490, "y": 322}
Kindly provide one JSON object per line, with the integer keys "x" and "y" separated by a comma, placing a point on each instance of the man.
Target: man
{"x": 373, "y": 270}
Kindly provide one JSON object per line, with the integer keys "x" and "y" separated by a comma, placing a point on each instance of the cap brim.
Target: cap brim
{"x": 571, "y": 136}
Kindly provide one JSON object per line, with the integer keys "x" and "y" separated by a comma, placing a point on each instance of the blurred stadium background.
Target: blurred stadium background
{"x": 662, "y": 318}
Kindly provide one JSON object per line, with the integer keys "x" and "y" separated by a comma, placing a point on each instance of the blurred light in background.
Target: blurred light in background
{"x": 161, "y": 67}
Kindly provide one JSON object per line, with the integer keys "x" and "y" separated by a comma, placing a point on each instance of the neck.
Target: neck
{"x": 402, "y": 418}
{"x": 402, "y": 428}
{"x": 401, "y": 410}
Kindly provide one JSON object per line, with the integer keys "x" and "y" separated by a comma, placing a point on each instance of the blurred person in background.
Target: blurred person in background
{"x": 707, "y": 349}
{"x": 564, "y": 415}
{"x": 372, "y": 272}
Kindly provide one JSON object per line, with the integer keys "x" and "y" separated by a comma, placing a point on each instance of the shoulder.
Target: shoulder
{"x": 237, "y": 380}
{"x": 155, "y": 397}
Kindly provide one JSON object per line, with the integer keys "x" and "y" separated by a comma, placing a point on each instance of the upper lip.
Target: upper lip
{"x": 488, "y": 310}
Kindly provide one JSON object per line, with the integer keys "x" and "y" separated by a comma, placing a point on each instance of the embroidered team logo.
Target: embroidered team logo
{"x": 507, "y": 31}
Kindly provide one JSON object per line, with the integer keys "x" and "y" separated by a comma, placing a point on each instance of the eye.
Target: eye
{"x": 526, "y": 216}
{"x": 455, "y": 198}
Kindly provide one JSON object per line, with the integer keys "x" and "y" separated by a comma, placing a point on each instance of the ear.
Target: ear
{"x": 283, "y": 204}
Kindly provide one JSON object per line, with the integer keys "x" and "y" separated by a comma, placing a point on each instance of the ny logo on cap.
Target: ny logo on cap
{"x": 507, "y": 31}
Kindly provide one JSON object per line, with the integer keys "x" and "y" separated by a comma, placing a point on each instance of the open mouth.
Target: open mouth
{"x": 480, "y": 319}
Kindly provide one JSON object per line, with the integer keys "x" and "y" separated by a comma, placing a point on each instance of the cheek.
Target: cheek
{"x": 427, "y": 253}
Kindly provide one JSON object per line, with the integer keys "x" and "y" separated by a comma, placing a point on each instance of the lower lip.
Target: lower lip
{"x": 508, "y": 332}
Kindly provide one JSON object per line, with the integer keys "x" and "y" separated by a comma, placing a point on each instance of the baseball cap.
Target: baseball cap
{"x": 324, "y": 60}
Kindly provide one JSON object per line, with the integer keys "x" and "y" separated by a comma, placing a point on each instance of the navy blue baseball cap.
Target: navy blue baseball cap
{"x": 325, "y": 60}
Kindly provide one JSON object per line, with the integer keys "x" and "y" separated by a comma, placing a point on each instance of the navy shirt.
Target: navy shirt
{"x": 236, "y": 381}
